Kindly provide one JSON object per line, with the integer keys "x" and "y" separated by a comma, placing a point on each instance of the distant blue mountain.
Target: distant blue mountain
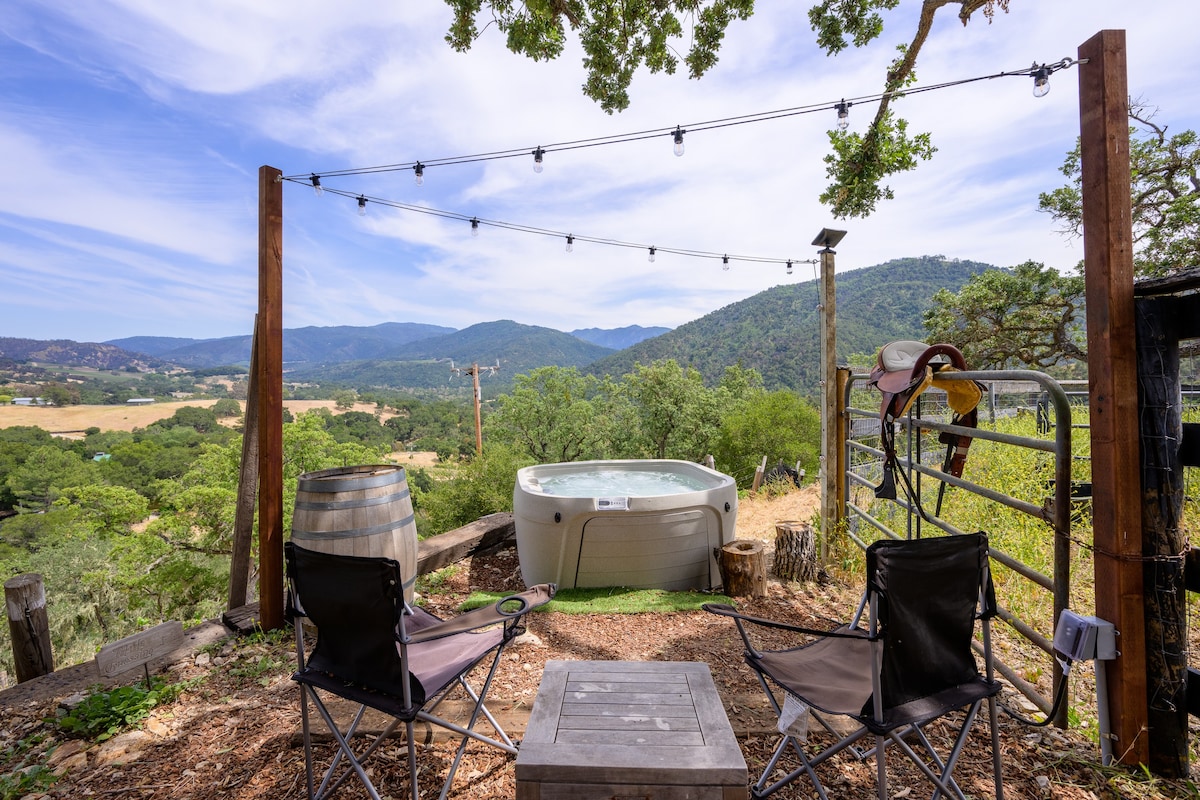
{"x": 618, "y": 338}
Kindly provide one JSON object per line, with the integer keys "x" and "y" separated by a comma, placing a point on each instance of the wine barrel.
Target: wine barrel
{"x": 358, "y": 511}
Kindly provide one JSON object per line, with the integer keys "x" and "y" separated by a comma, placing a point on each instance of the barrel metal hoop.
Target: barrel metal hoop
{"x": 351, "y": 532}
{"x": 365, "y": 502}
{"x": 349, "y": 483}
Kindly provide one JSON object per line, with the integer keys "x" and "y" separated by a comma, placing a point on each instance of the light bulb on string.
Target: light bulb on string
{"x": 843, "y": 115}
{"x": 679, "y": 132}
{"x": 419, "y": 173}
{"x": 789, "y": 267}
{"x": 1041, "y": 80}
{"x": 316, "y": 182}
{"x": 725, "y": 262}
{"x": 570, "y": 243}
{"x": 652, "y": 252}
{"x": 474, "y": 226}
{"x": 537, "y": 159}
{"x": 362, "y": 206}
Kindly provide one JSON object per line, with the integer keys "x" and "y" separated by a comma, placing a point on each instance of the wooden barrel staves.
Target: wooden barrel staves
{"x": 358, "y": 511}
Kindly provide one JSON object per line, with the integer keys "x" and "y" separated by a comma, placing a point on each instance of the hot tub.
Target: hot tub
{"x": 649, "y": 524}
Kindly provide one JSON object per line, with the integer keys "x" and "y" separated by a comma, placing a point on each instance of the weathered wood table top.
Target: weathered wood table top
{"x": 605, "y": 728}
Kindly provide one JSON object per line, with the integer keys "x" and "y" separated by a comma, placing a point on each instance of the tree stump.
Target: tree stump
{"x": 743, "y": 564}
{"x": 25, "y": 598}
{"x": 796, "y": 552}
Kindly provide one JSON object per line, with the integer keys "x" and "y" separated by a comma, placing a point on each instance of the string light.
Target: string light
{"x": 725, "y": 262}
{"x": 678, "y": 131}
{"x": 1040, "y": 74}
{"x": 789, "y": 267}
{"x": 570, "y": 238}
{"x": 843, "y": 115}
{"x": 1041, "y": 80}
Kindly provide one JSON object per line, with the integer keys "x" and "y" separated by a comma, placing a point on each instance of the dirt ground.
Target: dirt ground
{"x": 234, "y": 733}
{"x": 68, "y": 420}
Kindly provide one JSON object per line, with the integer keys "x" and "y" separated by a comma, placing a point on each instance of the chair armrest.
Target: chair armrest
{"x": 841, "y": 632}
{"x": 506, "y": 609}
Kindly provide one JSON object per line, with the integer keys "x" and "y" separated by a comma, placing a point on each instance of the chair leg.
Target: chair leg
{"x": 412, "y": 758}
{"x": 881, "y": 767}
{"x": 992, "y": 714}
{"x": 308, "y": 767}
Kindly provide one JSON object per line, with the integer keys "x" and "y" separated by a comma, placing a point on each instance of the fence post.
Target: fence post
{"x": 25, "y": 598}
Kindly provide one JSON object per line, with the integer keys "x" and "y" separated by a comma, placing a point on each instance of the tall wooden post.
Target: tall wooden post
{"x": 827, "y": 239}
{"x": 1112, "y": 379}
{"x": 270, "y": 409}
{"x": 29, "y": 625}
{"x": 1161, "y": 321}
{"x": 243, "y": 521}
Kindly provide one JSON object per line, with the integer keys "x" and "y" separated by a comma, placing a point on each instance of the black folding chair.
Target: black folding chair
{"x": 913, "y": 664}
{"x": 379, "y": 652}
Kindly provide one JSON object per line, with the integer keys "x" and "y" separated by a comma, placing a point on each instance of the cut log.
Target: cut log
{"x": 796, "y": 552}
{"x": 743, "y": 564}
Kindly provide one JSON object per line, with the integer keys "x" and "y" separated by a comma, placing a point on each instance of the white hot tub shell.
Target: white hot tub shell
{"x": 623, "y": 536}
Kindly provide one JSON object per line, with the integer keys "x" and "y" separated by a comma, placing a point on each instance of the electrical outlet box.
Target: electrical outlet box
{"x": 1084, "y": 638}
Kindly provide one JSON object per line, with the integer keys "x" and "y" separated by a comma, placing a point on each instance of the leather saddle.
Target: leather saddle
{"x": 905, "y": 369}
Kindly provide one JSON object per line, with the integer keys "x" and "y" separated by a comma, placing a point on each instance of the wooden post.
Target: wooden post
{"x": 1159, "y": 323}
{"x": 827, "y": 239}
{"x": 743, "y": 565}
{"x": 796, "y": 552}
{"x": 270, "y": 384}
{"x": 758, "y": 474}
{"x": 243, "y": 524}
{"x": 843, "y": 379}
{"x": 1112, "y": 379}
{"x": 29, "y": 625}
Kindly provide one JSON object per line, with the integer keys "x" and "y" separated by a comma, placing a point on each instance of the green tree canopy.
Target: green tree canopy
{"x": 1165, "y": 202}
{"x": 618, "y": 37}
{"x": 1029, "y": 316}
{"x": 556, "y": 414}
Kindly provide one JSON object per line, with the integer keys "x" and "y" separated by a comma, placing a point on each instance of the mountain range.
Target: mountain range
{"x": 775, "y": 332}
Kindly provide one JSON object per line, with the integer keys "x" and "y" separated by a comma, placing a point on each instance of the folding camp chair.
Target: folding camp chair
{"x": 911, "y": 665}
{"x": 379, "y": 652}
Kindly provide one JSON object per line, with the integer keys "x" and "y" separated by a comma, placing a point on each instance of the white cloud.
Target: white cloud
{"x": 134, "y": 137}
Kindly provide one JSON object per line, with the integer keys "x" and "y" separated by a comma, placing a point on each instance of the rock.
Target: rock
{"x": 1043, "y": 785}
{"x": 203, "y": 660}
{"x": 123, "y": 748}
{"x": 68, "y": 755}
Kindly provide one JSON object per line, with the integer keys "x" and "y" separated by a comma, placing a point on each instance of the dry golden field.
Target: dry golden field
{"x": 71, "y": 421}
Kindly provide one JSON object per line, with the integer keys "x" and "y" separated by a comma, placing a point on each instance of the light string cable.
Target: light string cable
{"x": 477, "y": 221}
{"x": 1040, "y": 74}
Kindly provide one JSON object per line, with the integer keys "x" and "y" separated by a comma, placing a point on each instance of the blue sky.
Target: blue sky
{"x": 133, "y": 132}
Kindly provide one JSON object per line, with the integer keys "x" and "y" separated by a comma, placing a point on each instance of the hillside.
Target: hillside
{"x": 427, "y": 363}
{"x": 777, "y": 332}
{"x": 81, "y": 354}
{"x": 308, "y": 345}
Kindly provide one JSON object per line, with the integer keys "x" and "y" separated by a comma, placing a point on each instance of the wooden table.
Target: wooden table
{"x": 629, "y": 730}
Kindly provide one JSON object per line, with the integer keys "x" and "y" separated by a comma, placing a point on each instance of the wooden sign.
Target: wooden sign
{"x": 141, "y": 648}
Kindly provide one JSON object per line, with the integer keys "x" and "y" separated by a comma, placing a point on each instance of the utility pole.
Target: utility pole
{"x": 473, "y": 371}
{"x": 827, "y": 239}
